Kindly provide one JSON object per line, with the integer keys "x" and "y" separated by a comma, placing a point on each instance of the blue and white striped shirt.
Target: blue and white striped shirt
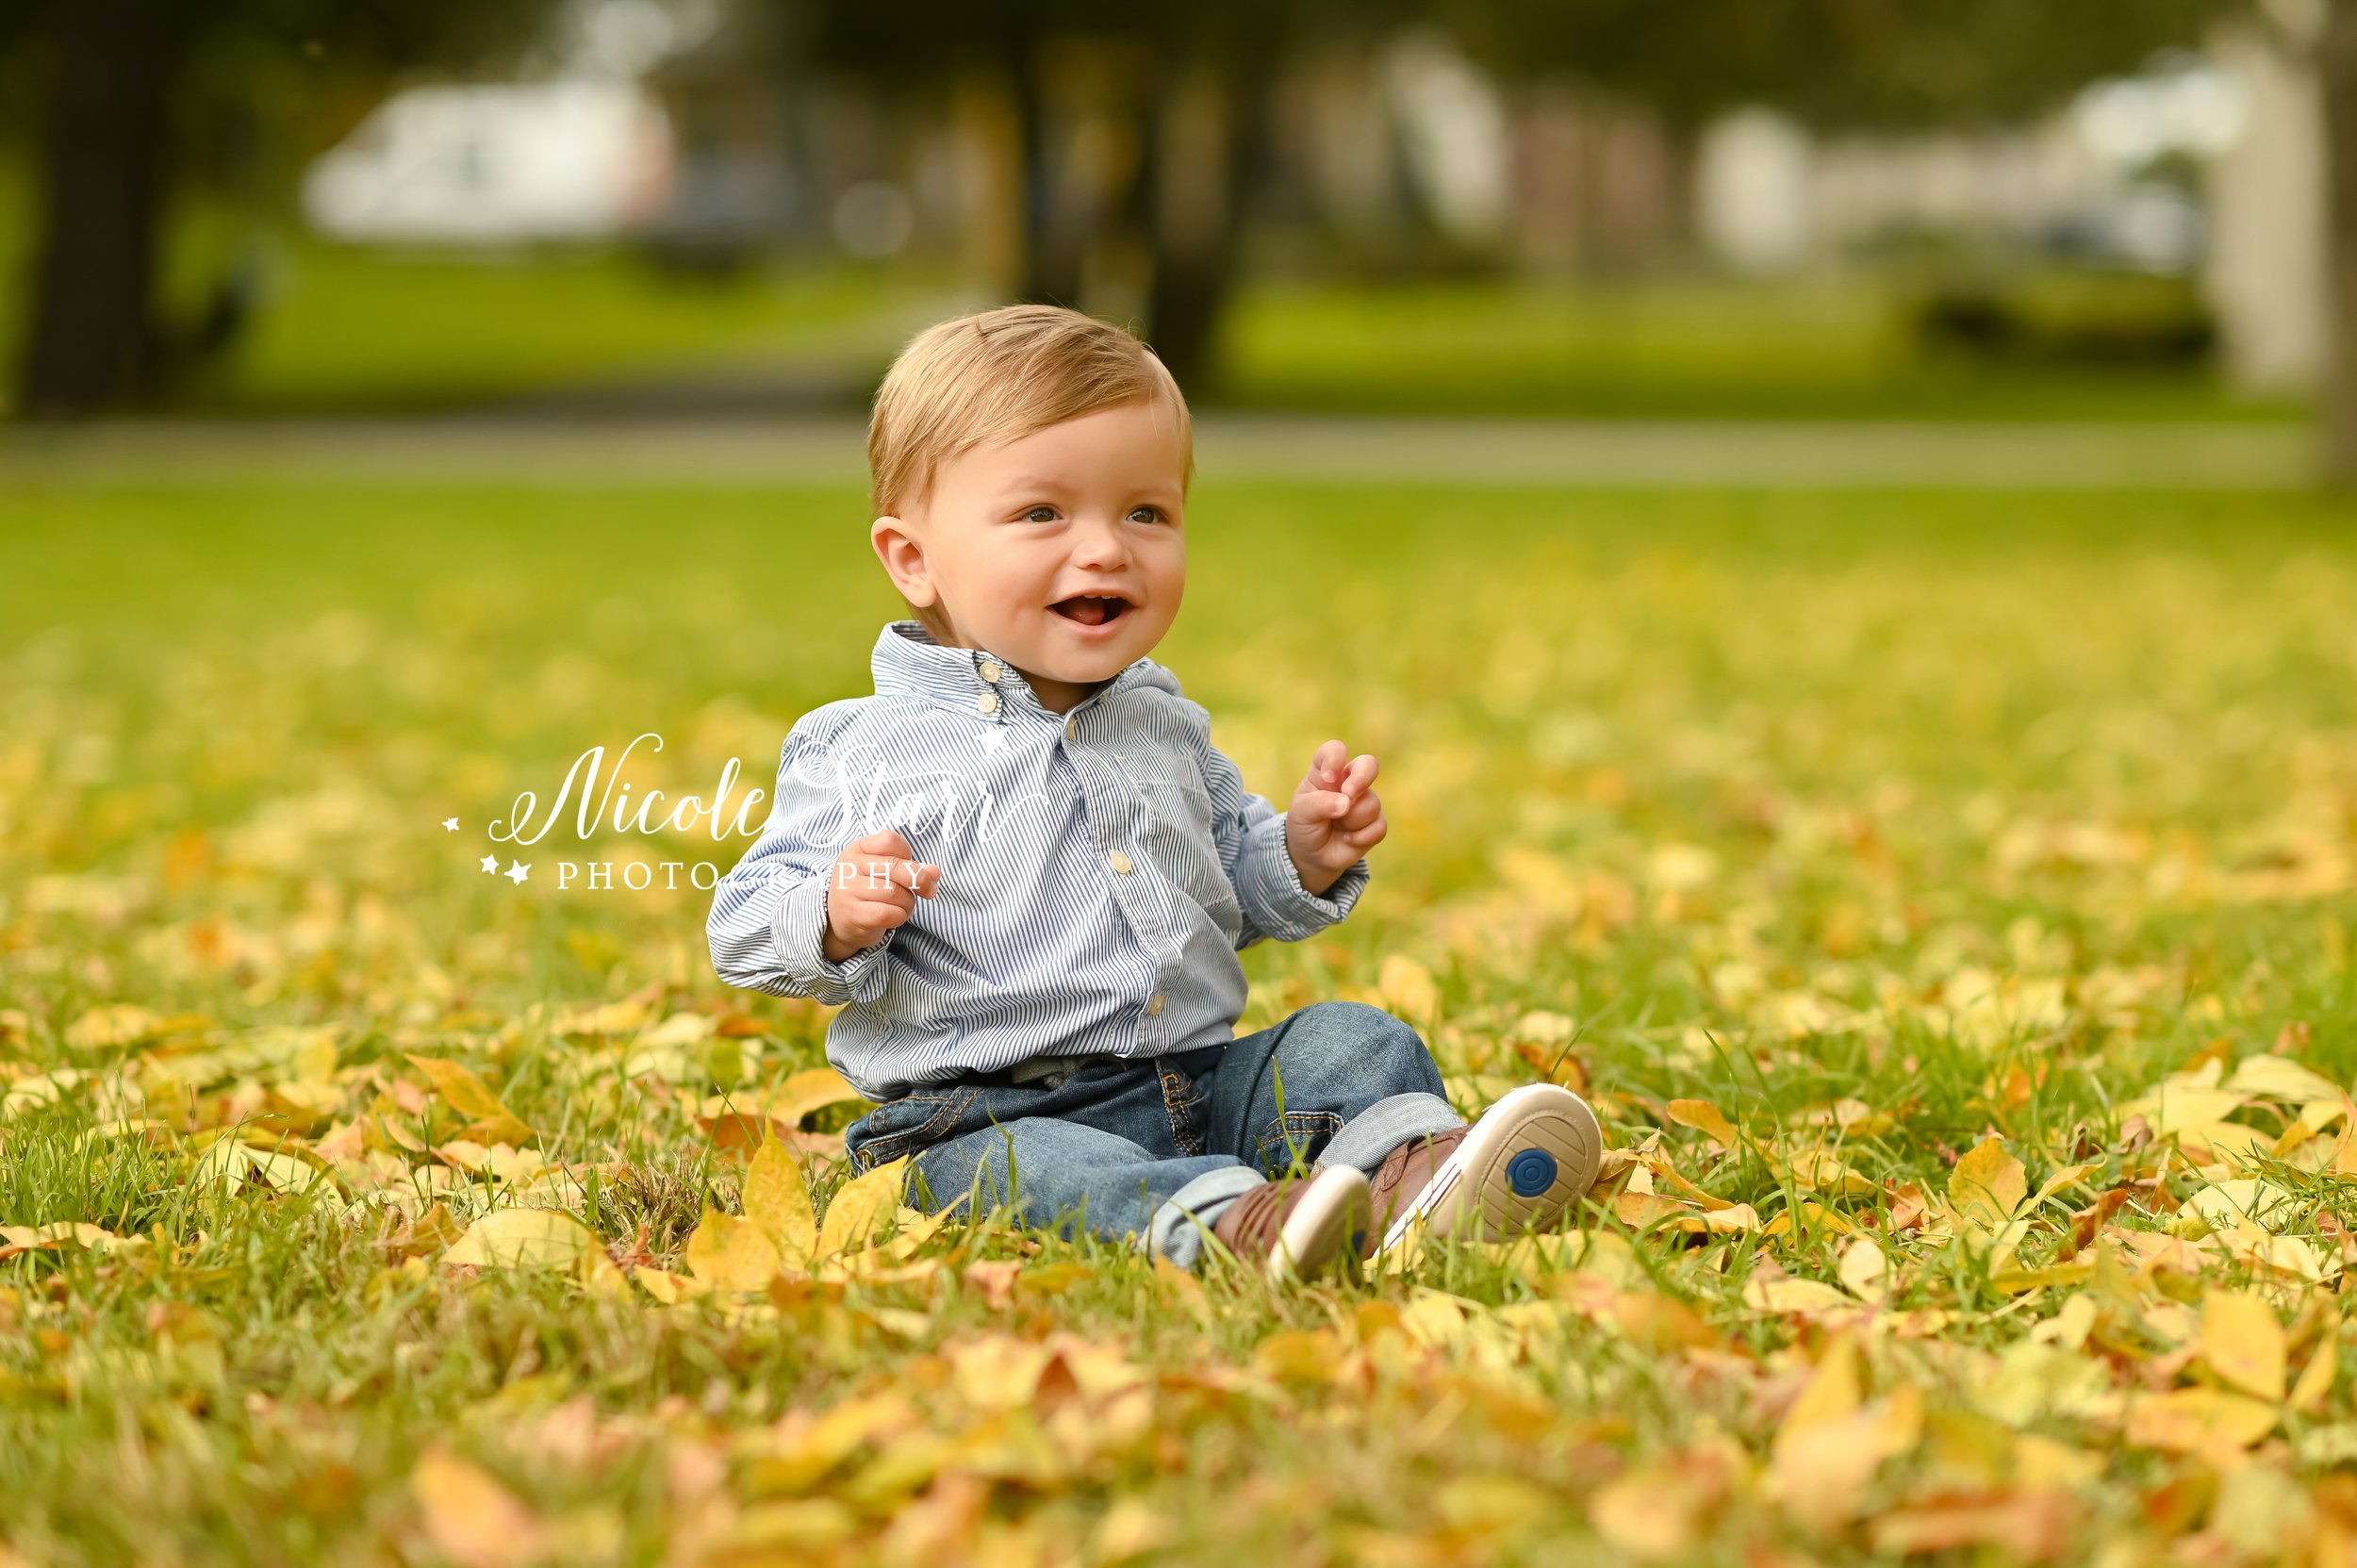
{"x": 1099, "y": 871}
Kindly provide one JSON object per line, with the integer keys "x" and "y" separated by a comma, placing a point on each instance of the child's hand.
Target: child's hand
{"x": 873, "y": 887}
{"x": 1335, "y": 818}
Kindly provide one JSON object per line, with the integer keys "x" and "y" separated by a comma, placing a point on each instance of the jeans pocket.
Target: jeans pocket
{"x": 1182, "y": 1097}
{"x": 1297, "y": 1135}
{"x": 904, "y": 1126}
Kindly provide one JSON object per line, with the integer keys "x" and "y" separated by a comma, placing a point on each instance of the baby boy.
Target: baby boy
{"x": 1024, "y": 873}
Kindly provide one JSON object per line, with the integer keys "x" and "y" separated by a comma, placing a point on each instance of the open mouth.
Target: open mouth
{"x": 1091, "y": 609}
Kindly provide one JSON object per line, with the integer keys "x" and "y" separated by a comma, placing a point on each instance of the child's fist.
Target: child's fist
{"x": 1335, "y": 818}
{"x": 873, "y": 887}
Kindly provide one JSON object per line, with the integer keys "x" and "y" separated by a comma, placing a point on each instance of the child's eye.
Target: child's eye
{"x": 1146, "y": 514}
{"x": 1042, "y": 513}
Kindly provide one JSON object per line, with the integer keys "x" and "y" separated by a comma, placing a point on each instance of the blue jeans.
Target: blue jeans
{"x": 1155, "y": 1148}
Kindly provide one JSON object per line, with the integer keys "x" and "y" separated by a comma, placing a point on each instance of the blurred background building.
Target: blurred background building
{"x": 1584, "y": 206}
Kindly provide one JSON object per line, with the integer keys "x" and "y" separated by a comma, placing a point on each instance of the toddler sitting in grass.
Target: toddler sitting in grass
{"x": 1024, "y": 871}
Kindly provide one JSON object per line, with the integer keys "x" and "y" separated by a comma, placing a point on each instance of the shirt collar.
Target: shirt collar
{"x": 909, "y": 662}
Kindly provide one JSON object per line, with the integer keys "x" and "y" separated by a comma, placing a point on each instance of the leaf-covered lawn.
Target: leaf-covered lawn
{"x": 1944, "y": 899}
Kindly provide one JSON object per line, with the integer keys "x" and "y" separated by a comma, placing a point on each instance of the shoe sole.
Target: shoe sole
{"x": 1528, "y": 1159}
{"x": 1328, "y": 1226}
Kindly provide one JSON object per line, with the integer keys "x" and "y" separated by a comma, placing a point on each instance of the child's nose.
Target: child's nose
{"x": 1098, "y": 542}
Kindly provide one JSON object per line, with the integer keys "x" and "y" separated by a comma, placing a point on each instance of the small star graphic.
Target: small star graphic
{"x": 490, "y": 863}
{"x": 994, "y": 738}
{"x": 518, "y": 873}
{"x": 450, "y": 824}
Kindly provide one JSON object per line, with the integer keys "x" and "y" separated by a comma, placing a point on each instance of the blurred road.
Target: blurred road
{"x": 571, "y": 450}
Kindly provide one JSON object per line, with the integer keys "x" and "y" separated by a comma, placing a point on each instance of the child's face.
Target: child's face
{"x": 1064, "y": 552}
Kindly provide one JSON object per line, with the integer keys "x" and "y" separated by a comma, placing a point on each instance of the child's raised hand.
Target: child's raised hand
{"x": 873, "y": 887}
{"x": 1335, "y": 816}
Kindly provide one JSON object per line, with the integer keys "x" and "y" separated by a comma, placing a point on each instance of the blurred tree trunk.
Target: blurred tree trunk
{"x": 93, "y": 340}
{"x": 2337, "y": 64}
{"x": 1194, "y": 169}
{"x": 1053, "y": 243}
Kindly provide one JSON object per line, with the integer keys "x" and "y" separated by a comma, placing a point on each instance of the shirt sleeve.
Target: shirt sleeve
{"x": 1250, "y": 835}
{"x": 769, "y": 912}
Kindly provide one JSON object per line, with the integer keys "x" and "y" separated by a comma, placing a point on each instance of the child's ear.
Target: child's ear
{"x": 903, "y": 559}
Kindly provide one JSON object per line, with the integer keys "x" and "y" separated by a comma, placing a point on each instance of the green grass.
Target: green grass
{"x": 1680, "y": 347}
{"x": 1981, "y": 812}
{"x": 336, "y": 329}
{"x": 345, "y": 330}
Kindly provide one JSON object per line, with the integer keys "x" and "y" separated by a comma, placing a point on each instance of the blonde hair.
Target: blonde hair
{"x": 988, "y": 379}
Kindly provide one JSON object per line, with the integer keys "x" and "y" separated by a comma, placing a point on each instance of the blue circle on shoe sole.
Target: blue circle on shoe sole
{"x": 1531, "y": 1172}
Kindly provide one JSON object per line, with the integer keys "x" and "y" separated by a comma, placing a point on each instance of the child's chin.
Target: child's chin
{"x": 1080, "y": 666}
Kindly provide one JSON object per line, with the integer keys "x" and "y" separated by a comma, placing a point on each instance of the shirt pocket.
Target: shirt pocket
{"x": 1176, "y": 830}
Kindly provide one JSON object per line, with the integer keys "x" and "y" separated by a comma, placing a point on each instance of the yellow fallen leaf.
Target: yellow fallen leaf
{"x": 2243, "y": 1343}
{"x": 2316, "y": 1380}
{"x": 2030, "y": 1524}
{"x": 470, "y": 1518}
{"x": 1659, "y": 1513}
{"x": 1408, "y": 988}
{"x": 2031, "y": 1381}
{"x": 1806, "y": 1297}
{"x": 2014, "y": 1282}
{"x": 669, "y": 1289}
{"x": 1821, "y": 1473}
{"x": 2294, "y": 1257}
{"x": 2175, "y": 1106}
{"x": 620, "y": 1017}
{"x": 1866, "y": 1271}
{"x": 680, "y": 1029}
{"x": 113, "y": 1024}
{"x": 1835, "y": 1389}
{"x": 2280, "y": 1077}
{"x": 779, "y": 1532}
{"x": 732, "y": 1254}
{"x": 1818, "y": 1170}
{"x": 491, "y": 1121}
{"x": 803, "y": 1093}
{"x": 1131, "y": 1528}
{"x": 2227, "y": 1205}
{"x": 859, "y": 1207}
{"x": 1705, "y": 1118}
{"x": 2065, "y": 1177}
{"x": 1299, "y": 1356}
{"x": 1810, "y": 1214}
{"x": 524, "y": 1238}
{"x": 1000, "y": 1372}
{"x": 804, "y": 1448}
{"x": 245, "y": 1168}
{"x": 777, "y": 1199}
{"x": 1987, "y": 1185}
{"x": 913, "y": 1229}
{"x": 2230, "y": 1144}
{"x": 2198, "y": 1420}
{"x": 15, "y": 1239}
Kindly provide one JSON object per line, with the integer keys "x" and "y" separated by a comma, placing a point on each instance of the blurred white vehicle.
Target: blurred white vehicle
{"x": 568, "y": 159}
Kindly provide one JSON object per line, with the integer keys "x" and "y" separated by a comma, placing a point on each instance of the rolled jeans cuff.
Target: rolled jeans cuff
{"x": 1183, "y": 1223}
{"x": 1372, "y": 1133}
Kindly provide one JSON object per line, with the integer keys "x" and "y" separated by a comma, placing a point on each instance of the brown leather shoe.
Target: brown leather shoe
{"x": 1392, "y": 1190}
{"x": 1297, "y": 1228}
{"x": 1523, "y": 1167}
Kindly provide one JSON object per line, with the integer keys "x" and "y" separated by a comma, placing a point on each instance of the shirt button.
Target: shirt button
{"x": 988, "y": 702}
{"x": 990, "y": 671}
{"x": 1119, "y": 861}
{"x": 1154, "y": 1005}
{"x": 1072, "y": 729}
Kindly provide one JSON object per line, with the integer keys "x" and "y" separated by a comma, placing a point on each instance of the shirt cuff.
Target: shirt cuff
{"x": 1269, "y": 888}
{"x": 800, "y": 927}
